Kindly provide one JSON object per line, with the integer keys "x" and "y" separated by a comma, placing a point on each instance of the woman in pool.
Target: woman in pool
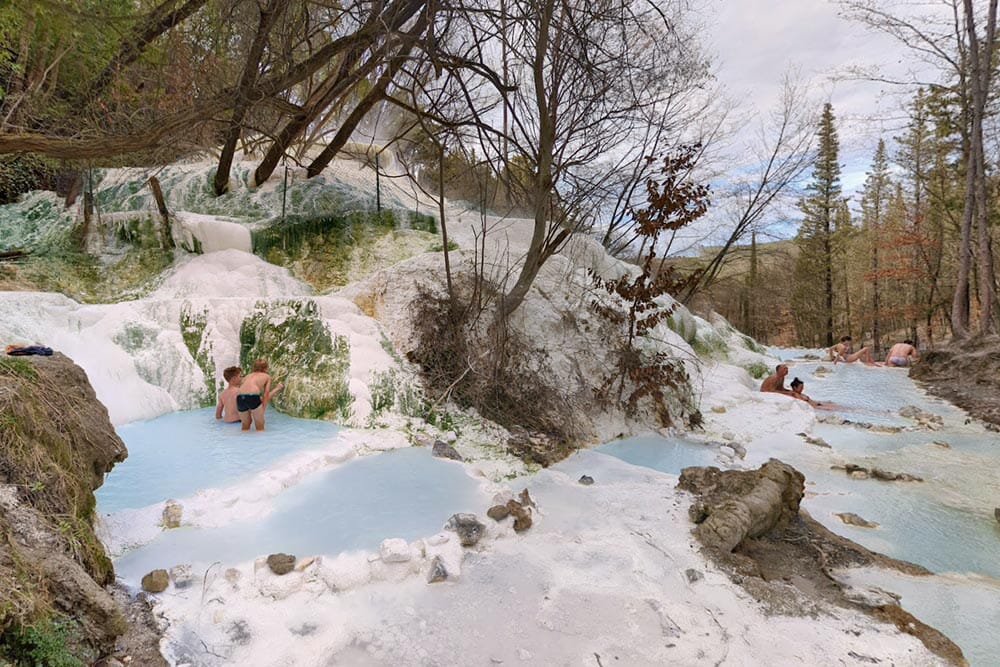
{"x": 255, "y": 392}
{"x": 797, "y": 386}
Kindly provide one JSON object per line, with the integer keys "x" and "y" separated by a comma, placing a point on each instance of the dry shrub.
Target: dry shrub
{"x": 467, "y": 354}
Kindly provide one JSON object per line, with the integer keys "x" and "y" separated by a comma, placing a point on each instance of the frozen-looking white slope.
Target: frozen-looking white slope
{"x": 609, "y": 574}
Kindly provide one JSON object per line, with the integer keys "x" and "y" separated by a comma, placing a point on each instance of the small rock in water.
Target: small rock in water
{"x": 172, "y": 511}
{"x": 942, "y": 444}
{"x": 996, "y": 513}
{"x": 586, "y": 480}
{"x": 468, "y": 528}
{"x": 498, "y": 512}
{"x": 852, "y": 519}
{"x": 281, "y": 563}
{"x": 438, "y": 571}
{"x": 693, "y": 575}
{"x": 445, "y": 451}
{"x": 525, "y": 499}
{"x": 859, "y": 474}
{"x": 182, "y": 576}
{"x": 156, "y": 581}
{"x": 719, "y": 409}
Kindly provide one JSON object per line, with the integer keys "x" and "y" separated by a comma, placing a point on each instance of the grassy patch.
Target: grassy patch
{"x": 86, "y": 279}
{"x": 439, "y": 247}
{"x": 757, "y": 370}
{"x": 709, "y": 345}
{"x": 44, "y": 643}
{"x": 19, "y": 367}
{"x": 752, "y": 345}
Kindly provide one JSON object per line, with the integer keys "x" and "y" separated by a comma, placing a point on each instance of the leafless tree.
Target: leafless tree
{"x": 782, "y": 154}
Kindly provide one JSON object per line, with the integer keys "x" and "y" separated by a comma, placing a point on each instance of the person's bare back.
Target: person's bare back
{"x": 902, "y": 354}
{"x": 225, "y": 407}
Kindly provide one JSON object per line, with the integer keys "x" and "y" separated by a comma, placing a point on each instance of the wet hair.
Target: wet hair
{"x": 844, "y": 339}
{"x": 908, "y": 341}
{"x": 796, "y": 383}
{"x": 780, "y": 366}
{"x": 260, "y": 366}
{"x": 231, "y": 372}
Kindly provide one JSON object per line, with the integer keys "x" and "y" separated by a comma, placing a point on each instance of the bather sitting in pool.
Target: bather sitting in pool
{"x": 797, "y": 386}
{"x": 776, "y": 383}
{"x": 255, "y": 392}
{"x": 844, "y": 351}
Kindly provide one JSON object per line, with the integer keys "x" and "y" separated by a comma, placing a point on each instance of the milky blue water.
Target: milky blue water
{"x": 181, "y": 452}
{"x": 658, "y": 453}
{"x": 405, "y": 493}
{"x": 945, "y": 523}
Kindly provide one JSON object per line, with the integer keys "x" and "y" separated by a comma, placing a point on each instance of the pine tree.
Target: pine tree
{"x": 874, "y": 203}
{"x": 814, "y": 266}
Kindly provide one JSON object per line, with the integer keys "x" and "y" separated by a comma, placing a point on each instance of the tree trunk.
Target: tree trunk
{"x": 268, "y": 16}
{"x": 161, "y": 206}
{"x": 960, "y": 301}
{"x": 981, "y": 59}
{"x": 828, "y": 279}
{"x": 376, "y": 93}
{"x": 542, "y": 185}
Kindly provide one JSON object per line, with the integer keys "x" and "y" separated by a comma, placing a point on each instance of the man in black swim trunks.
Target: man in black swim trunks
{"x": 255, "y": 392}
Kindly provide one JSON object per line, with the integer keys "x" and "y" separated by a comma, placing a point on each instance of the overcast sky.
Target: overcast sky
{"x": 755, "y": 41}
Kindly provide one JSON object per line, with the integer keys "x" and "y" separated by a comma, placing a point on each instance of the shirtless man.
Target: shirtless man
{"x": 225, "y": 408}
{"x": 844, "y": 351}
{"x": 254, "y": 394}
{"x": 902, "y": 354}
{"x": 776, "y": 383}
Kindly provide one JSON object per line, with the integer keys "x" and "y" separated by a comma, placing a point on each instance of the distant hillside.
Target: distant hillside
{"x": 761, "y": 310}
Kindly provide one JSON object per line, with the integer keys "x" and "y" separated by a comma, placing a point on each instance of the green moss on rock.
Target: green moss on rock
{"x": 301, "y": 352}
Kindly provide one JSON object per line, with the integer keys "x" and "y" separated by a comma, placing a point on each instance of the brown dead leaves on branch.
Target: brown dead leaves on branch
{"x": 673, "y": 202}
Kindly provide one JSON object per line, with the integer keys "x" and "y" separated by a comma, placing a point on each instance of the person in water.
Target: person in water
{"x": 225, "y": 408}
{"x": 844, "y": 351}
{"x": 254, "y": 394}
{"x": 776, "y": 383}
{"x": 797, "y": 386}
{"x": 902, "y": 354}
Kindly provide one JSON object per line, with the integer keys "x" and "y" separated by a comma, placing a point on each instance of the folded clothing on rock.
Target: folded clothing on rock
{"x": 28, "y": 350}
